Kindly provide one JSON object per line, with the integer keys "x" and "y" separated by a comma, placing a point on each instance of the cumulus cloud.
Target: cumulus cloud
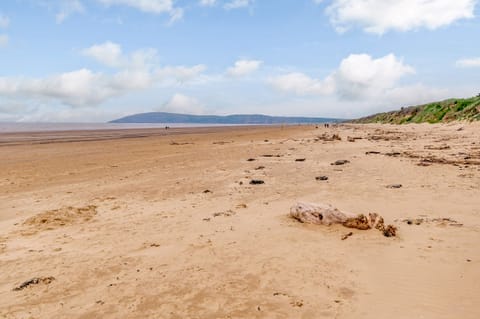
{"x": 358, "y": 76}
{"x": 150, "y": 6}
{"x": 180, "y": 103}
{"x": 302, "y": 84}
{"x": 107, "y": 53}
{"x": 77, "y": 88}
{"x": 468, "y": 63}
{"x": 4, "y": 21}
{"x": 237, "y": 4}
{"x": 244, "y": 67}
{"x": 380, "y": 16}
{"x": 67, "y": 8}
{"x": 136, "y": 71}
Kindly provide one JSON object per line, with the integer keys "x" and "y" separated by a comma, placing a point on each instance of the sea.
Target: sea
{"x": 46, "y": 127}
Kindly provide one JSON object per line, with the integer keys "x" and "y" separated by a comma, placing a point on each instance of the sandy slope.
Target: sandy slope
{"x": 127, "y": 227}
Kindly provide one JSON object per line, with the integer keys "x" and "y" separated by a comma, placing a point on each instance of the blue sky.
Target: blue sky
{"x": 96, "y": 60}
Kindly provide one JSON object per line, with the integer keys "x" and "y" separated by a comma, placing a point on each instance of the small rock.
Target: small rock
{"x": 394, "y": 186}
{"x": 347, "y": 235}
{"x": 340, "y": 162}
{"x": 256, "y": 182}
{"x": 259, "y": 167}
{"x": 207, "y": 191}
{"x": 300, "y": 160}
{"x": 321, "y": 178}
{"x": 251, "y": 160}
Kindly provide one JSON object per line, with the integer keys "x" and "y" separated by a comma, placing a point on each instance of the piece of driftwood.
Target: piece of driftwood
{"x": 323, "y": 214}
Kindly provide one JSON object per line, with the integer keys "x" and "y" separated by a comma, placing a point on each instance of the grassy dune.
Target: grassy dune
{"x": 444, "y": 111}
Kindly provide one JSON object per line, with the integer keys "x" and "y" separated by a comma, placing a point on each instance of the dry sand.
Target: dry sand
{"x": 141, "y": 224}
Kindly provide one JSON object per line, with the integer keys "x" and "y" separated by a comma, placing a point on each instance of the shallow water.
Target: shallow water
{"x": 45, "y": 127}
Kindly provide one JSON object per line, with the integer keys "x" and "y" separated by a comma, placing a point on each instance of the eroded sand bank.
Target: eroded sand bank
{"x": 168, "y": 226}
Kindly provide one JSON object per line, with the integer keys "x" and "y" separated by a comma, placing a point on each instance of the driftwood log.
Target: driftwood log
{"x": 323, "y": 214}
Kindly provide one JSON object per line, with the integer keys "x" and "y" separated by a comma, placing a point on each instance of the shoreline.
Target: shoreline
{"x": 65, "y": 136}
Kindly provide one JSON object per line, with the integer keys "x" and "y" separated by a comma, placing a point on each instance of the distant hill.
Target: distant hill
{"x": 444, "y": 111}
{"x": 163, "y": 117}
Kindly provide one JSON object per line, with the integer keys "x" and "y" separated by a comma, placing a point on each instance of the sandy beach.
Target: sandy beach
{"x": 151, "y": 223}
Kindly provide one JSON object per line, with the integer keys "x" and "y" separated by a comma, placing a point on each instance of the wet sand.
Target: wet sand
{"x": 153, "y": 224}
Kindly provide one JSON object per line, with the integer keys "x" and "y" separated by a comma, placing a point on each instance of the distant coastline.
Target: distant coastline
{"x": 235, "y": 119}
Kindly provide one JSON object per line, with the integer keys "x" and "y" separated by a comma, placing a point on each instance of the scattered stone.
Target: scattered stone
{"x": 390, "y": 231}
{"x": 321, "y": 178}
{"x": 394, "y": 186}
{"x": 256, "y": 182}
{"x": 227, "y": 213}
{"x": 347, "y": 235}
{"x": 417, "y": 221}
{"x": 207, "y": 191}
{"x": 328, "y": 138}
{"x": 340, "y": 162}
{"x": 297, "y": 303}
{"x": 34, "y": 281}
{"x": 183, "y": 143}
{"x": 242, "y": 205}
{"x": 439, "y": 221}
{"x": 372, "y": 152}
{"x": 271, "y": 155}
{"x": 393, "y": 154}
{"x": 259, "y": 167}
{"x": 353, "y": 139}
{"x": 300, "y": 160}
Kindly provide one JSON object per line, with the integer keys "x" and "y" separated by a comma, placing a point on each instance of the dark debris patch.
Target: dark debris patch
{"x": 34, "y": 281}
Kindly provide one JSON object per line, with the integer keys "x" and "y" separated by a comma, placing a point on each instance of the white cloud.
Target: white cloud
{"x": 77, "y": 88}
{"x": 67, "y": 8}
{"x": 359, "y": 76}
{"x": 150, "y": 6}
{"x": 468, "y": 63}
{"x": 4, "y": 21}
{"x": 111, "y": 55}
{"x": 237, "y": 4}
{"x": 180, "y": 103}
{"x": 380, "y": 16}
{"x": 207, "y": 3}
{"x": 244, "y": 67}
{"x": 180, "y": 73}
{"x": 3, "y": 40}
{"x": 302, "y": 84}
{"x": 136, "y": 71}
{"x": 107, "y": 53}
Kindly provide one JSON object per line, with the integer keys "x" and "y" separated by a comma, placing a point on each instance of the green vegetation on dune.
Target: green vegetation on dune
{"x": 445, "y": 111}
